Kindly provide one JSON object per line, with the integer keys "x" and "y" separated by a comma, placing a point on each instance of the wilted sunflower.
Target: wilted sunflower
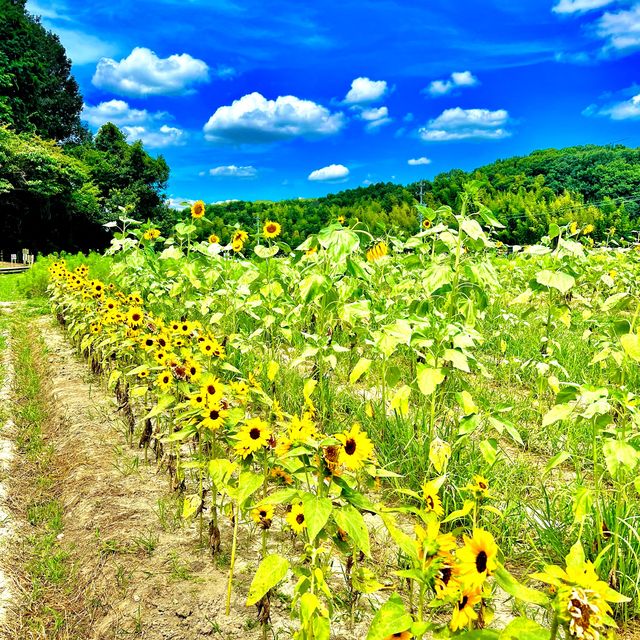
{"x": 271, "y": 229}
{"x": 254, "y": 435}
{"x": 463, "y": 613}
{"x": 295, "y": 518}
{"x": 213, "y": 417}
{"x": 478, "y": 557}
{"x": 280, "y": 475}
{"x": 262, "y": 515}
{"x": 378, "y": 251}
{"x": 356, "y": 448}
{"x": 214, "y": 239}
{"x": 197, "y": 210}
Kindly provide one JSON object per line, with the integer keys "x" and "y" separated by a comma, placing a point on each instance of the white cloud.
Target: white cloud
{"x": 621, "y": 29}
{"x": 623, "y": 110}
{"x": 118, "y": 112}
{"x": 579, "y": 6}
{"x": 233, "y": 171}
{"x": 178, "y": 203}
{"x": 253, "y": 119}
{"x": 456, "y": 79}
{"x": 464, "y": 124}
{"x": 156, "y": 138}
{"x": 81, "y": 47}
{"x": 142, "y": 73}
{"x": 332, "y": 173}
{"x": 375, "y": 118}
{"x": 365, "y": 90}
{"x": 414, "y": 162}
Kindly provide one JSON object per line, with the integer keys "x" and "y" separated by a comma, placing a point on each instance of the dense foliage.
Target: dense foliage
{"x": 37, "y": 91}
{"x": 588, "y": 184}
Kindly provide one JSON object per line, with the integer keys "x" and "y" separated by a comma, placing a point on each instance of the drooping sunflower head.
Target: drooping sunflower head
{"x": 432, "y": 502}
{"x": 240, "y": 236}
{"x": 271, "y": 229}
{"x": 197, "y": 210}
{"x": 379, "y": 250}
{"x": 463, "y": 609}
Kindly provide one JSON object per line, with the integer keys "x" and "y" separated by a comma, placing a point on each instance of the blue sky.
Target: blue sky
{"x": 260, "y": 99}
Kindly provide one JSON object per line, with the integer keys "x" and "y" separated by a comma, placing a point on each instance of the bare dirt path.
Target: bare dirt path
{"x": 6, "y": 456}
{"x": 139, "y": 572}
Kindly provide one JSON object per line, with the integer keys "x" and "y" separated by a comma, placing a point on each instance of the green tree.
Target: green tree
{"x": 38, "y": 94}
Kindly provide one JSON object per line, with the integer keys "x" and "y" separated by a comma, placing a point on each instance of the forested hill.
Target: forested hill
{"x": 589, "y": 184}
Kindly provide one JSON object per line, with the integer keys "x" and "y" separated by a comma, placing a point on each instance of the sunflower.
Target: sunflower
{"x": 378, "y": 251}
{"x": 573, "y": 227}
{"x": 240, "y": 388}
{"x": 341, "y": 219}
{"x": 254, "y": 435}
{"x": 218, "y": 350}
{"x": 134, "y": 299}
{"x": 194, "y": 370}
{"x": 477, "y": 557}
{"x": 95, "y": 327}
{"x": 135, "y": 317}
{"x": 356, "y": 448}
{"x": 262, "y": 515}
{"x": 271, "y": 229}
{"x": 143, "y": 373}
{"x": 479, "y": 487}
{"x": 463, "y": 613}
{"x": 302, "y": 429}
{"x": 280, "y": 475}
{"x": 214, "y": 239}
{"x": 213, "y": 417}
{"x": 151, "y": 234}
{"x": 588, "y": 229}
{"x": 400, "y": 635}
{"x": 432, "y": 502}
{"x": 240, "y": 236}
{"x": 295, "y": 518}
{"x": 212, "y": 388}
{"x": 198, "y": 400}
{"x": 147, "y": 342}
{"x": 185, "y": 328}
{"x": 426, "y": 223}
{"x": 164, "y": 380}
{"x": 197, "y": 210}
{"x": 237, "y": 246}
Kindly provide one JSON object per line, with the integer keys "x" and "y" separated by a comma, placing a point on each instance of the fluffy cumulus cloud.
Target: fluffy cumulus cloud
{"x": 416, "y": 162}
{"x": 143, "y": 73}
{"x": 233, "y": 171}
{"x": 580, "y": 6}
{"x": 622, "y": 110}
{"x": 253, "y": 120}
{"x": 118, "y": 112}
{"x": 332, "y": 173}
{"x": 375, "y": 117}
{"x": 156, "y": 137}
{"x": 621, "y": 30}
{"x": 137, "y": 124}
{"x": 364, "y": 90}
{"x": 466, "y": 124}
{"x": 456, "y": 80}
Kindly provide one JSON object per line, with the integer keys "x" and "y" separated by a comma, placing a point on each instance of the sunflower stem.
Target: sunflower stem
{"x": 234, "y": 545}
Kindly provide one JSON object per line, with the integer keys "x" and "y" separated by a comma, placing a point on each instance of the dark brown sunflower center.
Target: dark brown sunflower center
{"x": 350, "y": 446}
{"x": 481, "y": 562}
{"x": 445, "y": 575}
{"x": 214, "y": 414}
{"x": 482, "y": 485}
{"x": 149, "y": 342}
{"x": 254, "y": 434}
{"x": 211, "y": 390}
{"x": 185, "y": 328}
{"x": 271, "y": 228}
{"x": 430, "y": 503}
{"x": 463, "y": 603}
{"x": 300, "y": 518}
{"x": 193, "y": 371}
{"x": 166, "y": 379}
{"x": 263, "y": 514}
{"x": 136, "y": 317}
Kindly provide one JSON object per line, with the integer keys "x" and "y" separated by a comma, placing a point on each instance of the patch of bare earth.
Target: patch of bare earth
{"x": 136, "y": 577}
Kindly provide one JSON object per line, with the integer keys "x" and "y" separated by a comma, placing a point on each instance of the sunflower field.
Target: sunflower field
{"x": 435, "y": 435}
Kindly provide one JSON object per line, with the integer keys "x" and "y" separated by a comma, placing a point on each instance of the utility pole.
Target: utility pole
{"x": 420, "y": 193}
